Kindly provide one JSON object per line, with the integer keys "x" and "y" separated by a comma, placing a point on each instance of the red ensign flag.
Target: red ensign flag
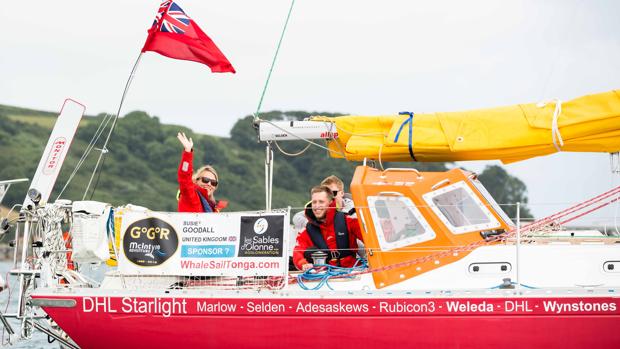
{"x": 175, "y": 35}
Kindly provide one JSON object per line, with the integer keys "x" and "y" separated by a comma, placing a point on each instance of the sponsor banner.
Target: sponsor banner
{"x": 208, "y": 244}
{"x": 358, "y": 307}
{"x": 149, "y": 242}
{"x": 261, "y": 237}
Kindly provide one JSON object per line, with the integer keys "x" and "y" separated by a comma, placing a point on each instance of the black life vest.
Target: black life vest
{"x": 342, "y": 238}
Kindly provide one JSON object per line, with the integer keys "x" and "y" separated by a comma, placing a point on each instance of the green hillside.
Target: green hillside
{"x": 36, "y": 117}
{"x": 144, "y": 155}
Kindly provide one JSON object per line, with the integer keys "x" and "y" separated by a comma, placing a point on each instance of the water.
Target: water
{"x": 39, "y": 339}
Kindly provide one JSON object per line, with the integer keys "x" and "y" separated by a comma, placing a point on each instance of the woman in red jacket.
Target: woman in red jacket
{"x": 196, "y": 190}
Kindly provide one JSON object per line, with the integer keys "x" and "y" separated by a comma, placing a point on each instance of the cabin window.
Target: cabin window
{"x": 485, "y": 193}
{"x": 398, "y": 222}
{"x": 460, "y": 209}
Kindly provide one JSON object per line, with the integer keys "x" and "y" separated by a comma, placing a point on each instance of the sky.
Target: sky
{"x": 354, "y": 57}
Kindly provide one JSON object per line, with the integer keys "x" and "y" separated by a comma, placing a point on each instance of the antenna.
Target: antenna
{"x": 614, "y": 161}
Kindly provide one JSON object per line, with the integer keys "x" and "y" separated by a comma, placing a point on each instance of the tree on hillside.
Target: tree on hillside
{"x": 507, "y": 190}
{"x": 144, "y": 155}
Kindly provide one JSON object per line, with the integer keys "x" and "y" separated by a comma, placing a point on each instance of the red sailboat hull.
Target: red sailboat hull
{"x": 190, "y": 322}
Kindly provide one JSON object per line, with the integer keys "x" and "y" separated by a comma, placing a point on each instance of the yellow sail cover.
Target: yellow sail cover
{"x": 587, "y": 124}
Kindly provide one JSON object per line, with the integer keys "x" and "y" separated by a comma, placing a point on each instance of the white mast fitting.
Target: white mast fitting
{"x": 272, "y": 131}
{"x": 296, "y": 130}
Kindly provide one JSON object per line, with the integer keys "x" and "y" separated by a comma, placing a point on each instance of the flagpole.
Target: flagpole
{"x": 104, "y": 149}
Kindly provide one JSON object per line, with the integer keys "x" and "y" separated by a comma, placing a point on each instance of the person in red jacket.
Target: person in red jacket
{"x": 327, "y": 230}
{"x": 196, "y": 190}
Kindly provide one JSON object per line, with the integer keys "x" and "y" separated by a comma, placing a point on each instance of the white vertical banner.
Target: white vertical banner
{"x": 204, "y": 244}
{"x": 56, "y": 150}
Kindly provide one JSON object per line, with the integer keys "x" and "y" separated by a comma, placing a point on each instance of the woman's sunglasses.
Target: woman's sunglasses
{"x": 207, "y": 180}
{"x": 335, "y": 192}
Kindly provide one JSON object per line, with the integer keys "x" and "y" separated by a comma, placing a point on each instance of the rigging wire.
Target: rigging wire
{"x": 104, "y": 149}
{"x": 291, "y": 154}
{"x": 269, "y": 152}
{"x": 89, "y": 148}
{"x": 567, "y": 215}
{"x": 614, "y": 163}
{"x": 273, "y": 62}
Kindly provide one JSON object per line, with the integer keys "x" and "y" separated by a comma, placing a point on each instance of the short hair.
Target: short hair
{"x": 207, "y": 168}
{"x": 322, "y": 189}
{"x": 333, "y": 180}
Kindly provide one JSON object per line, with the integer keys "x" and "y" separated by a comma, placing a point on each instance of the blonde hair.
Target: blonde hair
{"x": 333, "y": 180}
{"x": 207, "y": 168}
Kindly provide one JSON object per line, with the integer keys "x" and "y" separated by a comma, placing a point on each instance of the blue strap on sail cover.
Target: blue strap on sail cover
{"x": 409, "y": 120}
